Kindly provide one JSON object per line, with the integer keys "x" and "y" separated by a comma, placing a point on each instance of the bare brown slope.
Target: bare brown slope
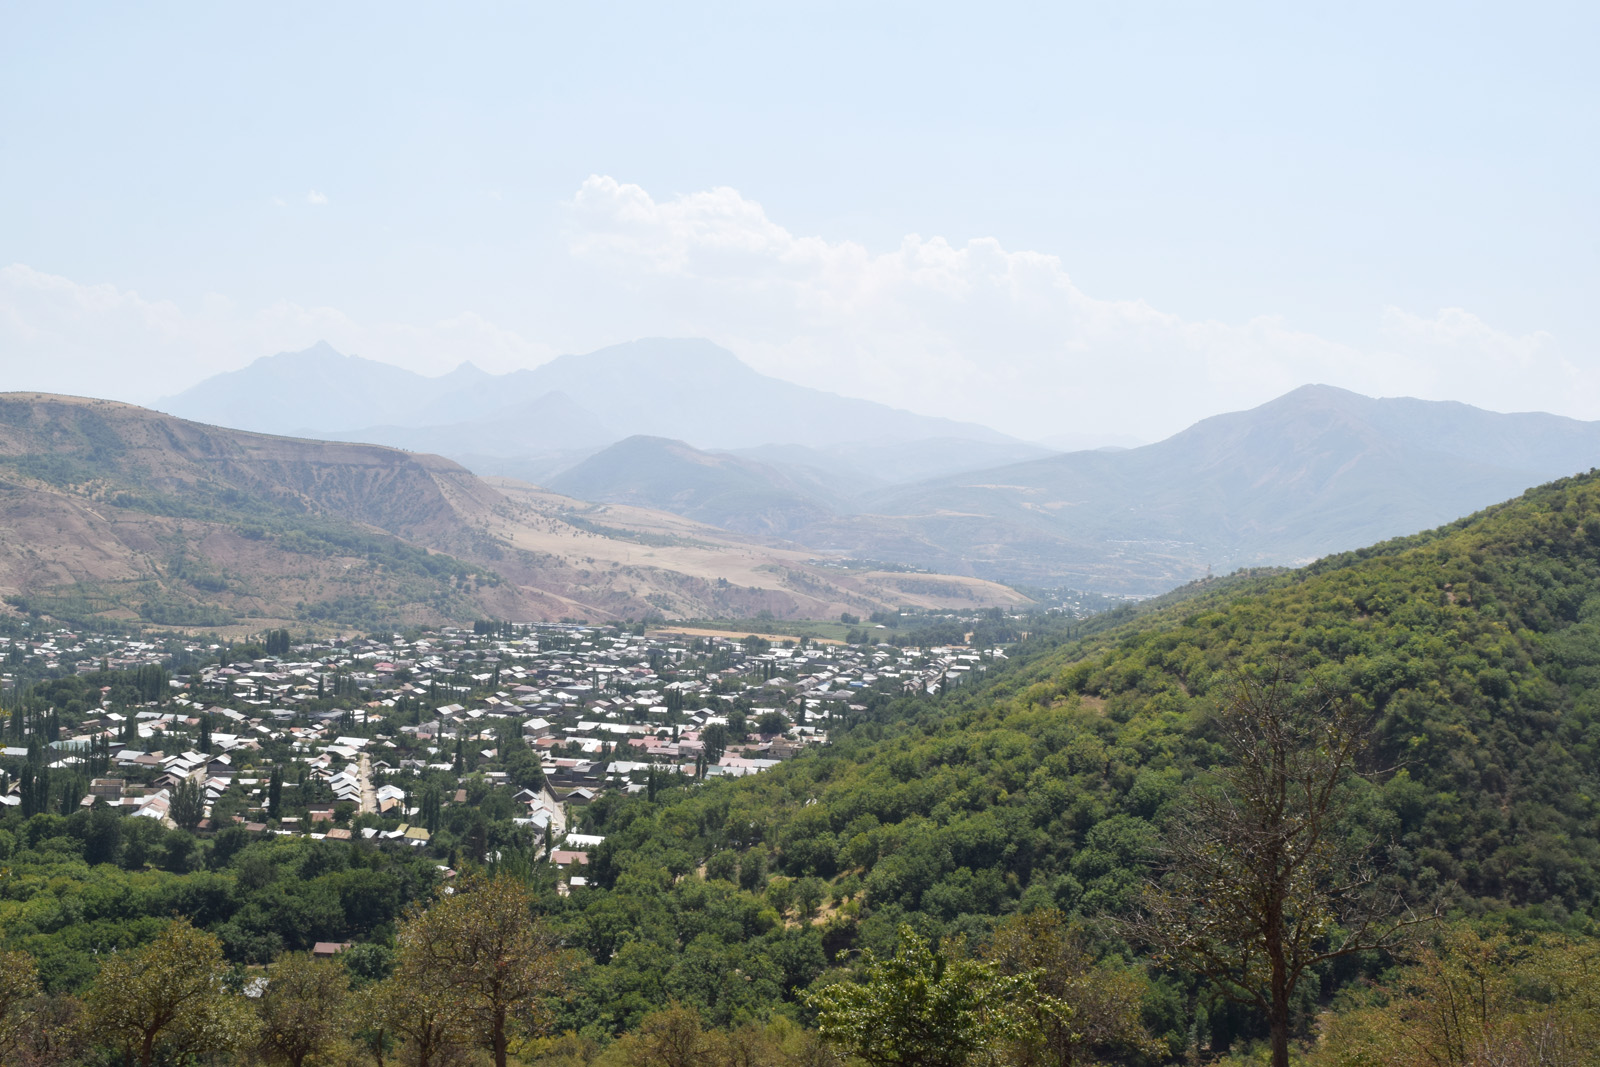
{"x": 109, "y": 509}
{"x": 131, "y": 447}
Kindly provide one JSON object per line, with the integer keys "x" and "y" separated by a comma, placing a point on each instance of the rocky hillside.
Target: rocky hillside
{"x": 111, "y": 510}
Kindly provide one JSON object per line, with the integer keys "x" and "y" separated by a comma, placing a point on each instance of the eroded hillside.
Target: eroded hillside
{"x": 111, "y": 510}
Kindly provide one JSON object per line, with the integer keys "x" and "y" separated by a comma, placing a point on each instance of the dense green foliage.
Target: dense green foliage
{"x": 1474, "y": 647}
{"x": 79, "y": 886}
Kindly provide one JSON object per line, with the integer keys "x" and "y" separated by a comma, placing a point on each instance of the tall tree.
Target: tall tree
{"x": 1262, "y": 879}
{"x": 302, "y": 1009}
{"x": 431, "y": 808}
{"x": 167, "y": 999}
{"x": 275, "y": 793}
{"x": 482, "y": 942}
{"x": 103, "y": 835}
{"x": 188, "y": 806}
{"x": 714, "y": 738}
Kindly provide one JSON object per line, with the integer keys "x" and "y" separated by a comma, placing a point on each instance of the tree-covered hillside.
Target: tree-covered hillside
{"x": 1474, "y": 647}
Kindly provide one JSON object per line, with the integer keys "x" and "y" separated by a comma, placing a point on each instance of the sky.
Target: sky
{"x": 1086, "y": 222}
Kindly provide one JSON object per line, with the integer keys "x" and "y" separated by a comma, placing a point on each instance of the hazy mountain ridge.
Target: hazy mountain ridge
{"x": 1316, "y": 471}
{"x": 551, "y": 424}
{"x": 723, "y": 490}
{"x": 686, "y": 389}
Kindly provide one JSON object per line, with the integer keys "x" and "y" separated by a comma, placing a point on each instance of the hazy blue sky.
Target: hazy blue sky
{"x": 1055, "y": 218}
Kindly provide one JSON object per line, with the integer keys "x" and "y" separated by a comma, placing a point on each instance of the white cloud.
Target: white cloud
{"x": 1006, "y": 337}
{"x": 316, "y": 199}
{"x": 969, "y": 330}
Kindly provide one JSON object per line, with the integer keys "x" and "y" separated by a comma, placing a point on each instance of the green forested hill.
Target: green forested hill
{"x": 1476, "y": 647}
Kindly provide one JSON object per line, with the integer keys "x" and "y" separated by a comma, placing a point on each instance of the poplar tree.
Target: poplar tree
{"x": 188, "y": 806}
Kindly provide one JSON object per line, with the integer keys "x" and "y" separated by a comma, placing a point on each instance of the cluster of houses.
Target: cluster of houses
{"x": 599, "y": 709}
{"x": 34, "y": 650}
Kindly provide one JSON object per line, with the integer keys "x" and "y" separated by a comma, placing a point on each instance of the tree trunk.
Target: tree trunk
{"x": 1278, "y": 1017}
{"x": 1278, "y": 1013}
{"x": 499, "y": 1038}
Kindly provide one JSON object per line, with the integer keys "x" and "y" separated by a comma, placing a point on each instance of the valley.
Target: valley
{"x": 790, "y": 707}
{"x": 799, "y": 535}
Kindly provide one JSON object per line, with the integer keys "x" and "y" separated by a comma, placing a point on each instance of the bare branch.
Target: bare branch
{"x": 1258, "y": 881}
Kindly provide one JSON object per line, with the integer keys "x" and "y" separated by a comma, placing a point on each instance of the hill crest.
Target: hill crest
{"x": 112, "y": 511}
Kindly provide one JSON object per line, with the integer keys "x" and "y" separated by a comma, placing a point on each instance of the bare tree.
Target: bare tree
{"x": 1262, "y": 881}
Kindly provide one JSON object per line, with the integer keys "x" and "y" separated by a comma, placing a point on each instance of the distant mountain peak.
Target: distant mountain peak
{"x": 322, "y": 351}
{"x": 684, "y": 388}
{"x": 465, "y": 372}
{"x": 1320, "y": 391}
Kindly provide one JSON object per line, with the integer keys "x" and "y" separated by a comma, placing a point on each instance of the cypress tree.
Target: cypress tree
{"x": 26, "y": 788}
{"x": 430, "y": 809}
{"x": 188, "y": 806}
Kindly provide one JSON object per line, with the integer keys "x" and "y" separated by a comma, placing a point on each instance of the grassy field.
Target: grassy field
{"x": 828, "y": 630}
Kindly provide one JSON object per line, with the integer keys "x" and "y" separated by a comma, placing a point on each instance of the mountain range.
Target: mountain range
{"x": 1317, "y": 471}
{"x": 686, "y": 389}
{"x": 684, "y": 427}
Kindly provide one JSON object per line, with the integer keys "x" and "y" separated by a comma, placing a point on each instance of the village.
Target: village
{"x": 441, "y": 739}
